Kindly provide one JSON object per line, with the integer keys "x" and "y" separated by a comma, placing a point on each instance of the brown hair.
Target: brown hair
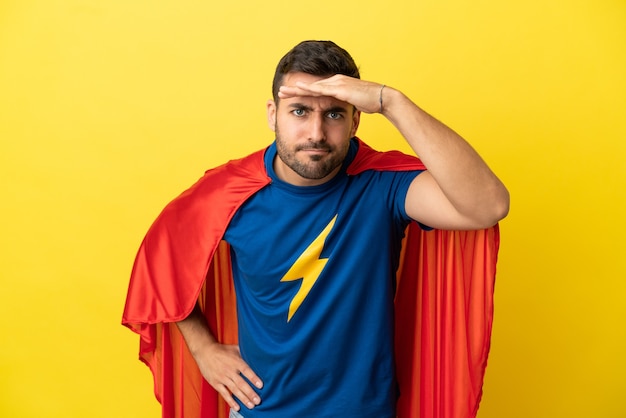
{"x": 319, "y": 58}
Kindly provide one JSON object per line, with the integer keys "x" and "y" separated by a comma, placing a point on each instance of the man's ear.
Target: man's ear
{"x": 271, "y": 114}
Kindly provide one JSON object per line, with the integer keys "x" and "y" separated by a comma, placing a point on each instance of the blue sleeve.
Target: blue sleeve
{"x": 399, "y": 188}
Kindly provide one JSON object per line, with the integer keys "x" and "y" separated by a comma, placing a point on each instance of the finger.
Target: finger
{"x": 244, "y": 392}
{"x": 226, "y": 395}
{"x": 319, "y": 87}
{"x": 246, "y": 370}
{"x": 249, "y": 374}
{"x": 311, "y": 90}
{"x": 286, "y": 92}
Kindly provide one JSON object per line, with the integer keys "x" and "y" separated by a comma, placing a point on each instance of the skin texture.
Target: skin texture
{"x": 314, "y": 120}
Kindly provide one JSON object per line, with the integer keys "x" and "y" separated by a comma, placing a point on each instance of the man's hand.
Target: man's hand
{"x": 364, "y": 95}
{"x": 224, "y": 369}
{"x": 221, "y": 365}
{"x": 458, "y": 191}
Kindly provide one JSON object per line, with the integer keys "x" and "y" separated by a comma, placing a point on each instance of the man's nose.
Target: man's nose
{"x": 316, "y": 128}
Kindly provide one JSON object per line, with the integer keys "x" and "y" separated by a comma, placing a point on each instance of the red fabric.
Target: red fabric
{"x": 444, "y": 303}
{"x": 444, "y": 313}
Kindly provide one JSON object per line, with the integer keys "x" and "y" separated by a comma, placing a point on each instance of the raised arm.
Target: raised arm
{"x": 458, "y": 191}
{"x": 221, "y": 365}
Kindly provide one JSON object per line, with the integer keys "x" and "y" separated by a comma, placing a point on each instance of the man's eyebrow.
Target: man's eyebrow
{"x": 334, "y": 109}
{"x": 300, "y": 106}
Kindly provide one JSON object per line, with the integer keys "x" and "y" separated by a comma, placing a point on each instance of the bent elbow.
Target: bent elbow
{"x": 499, "y": 208}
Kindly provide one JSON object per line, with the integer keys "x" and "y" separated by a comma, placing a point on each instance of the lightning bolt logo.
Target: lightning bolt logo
{"x": 307, "y": 267}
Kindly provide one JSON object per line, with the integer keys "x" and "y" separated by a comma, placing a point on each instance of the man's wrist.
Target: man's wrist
{"x": 390, "y": 100}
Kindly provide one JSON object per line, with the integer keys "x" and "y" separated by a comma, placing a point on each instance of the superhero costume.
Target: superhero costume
{"x": 444, "y": 299}
{"x": 314, "y": 274}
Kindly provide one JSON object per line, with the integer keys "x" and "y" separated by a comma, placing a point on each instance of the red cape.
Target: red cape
{"x": 444, "y": 301}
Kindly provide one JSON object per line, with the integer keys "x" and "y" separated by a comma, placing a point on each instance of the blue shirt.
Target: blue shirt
{"x": 314, "y": 270}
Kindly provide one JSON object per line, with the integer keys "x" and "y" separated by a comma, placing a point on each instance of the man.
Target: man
{"x": 315, "y": 248}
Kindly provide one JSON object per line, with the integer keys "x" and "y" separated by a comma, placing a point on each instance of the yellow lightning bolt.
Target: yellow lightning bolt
{"x": 307, "y": 267}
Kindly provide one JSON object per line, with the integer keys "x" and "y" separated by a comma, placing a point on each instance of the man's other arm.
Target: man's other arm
{"x": 221, "y": 365}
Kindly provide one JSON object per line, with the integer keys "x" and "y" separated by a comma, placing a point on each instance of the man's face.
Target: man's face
{"x": 312, "y": 134}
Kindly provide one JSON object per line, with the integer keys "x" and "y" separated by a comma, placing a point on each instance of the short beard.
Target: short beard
{"x": 317, "y": 167}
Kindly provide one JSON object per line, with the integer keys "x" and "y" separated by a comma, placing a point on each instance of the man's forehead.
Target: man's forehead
{"x": 290, "y": 79}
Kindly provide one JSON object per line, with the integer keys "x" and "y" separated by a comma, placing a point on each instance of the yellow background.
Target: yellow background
{"x": 108, "y": 109}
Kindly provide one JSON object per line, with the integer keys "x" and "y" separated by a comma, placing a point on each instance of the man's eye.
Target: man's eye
{"x": 334, "y": 115}
{"x": 298, "y": 112}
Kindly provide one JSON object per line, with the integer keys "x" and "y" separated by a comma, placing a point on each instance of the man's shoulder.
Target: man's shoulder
{"x": 251, "y": 164}
{"x": 231, "y": 180}
{"x": 249, "y": 170}
{"x": 367, "y": 158}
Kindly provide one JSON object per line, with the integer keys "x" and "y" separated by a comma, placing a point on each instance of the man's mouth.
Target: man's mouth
{"x": 316, "y": 154}
{"x": 315, "y": 149}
